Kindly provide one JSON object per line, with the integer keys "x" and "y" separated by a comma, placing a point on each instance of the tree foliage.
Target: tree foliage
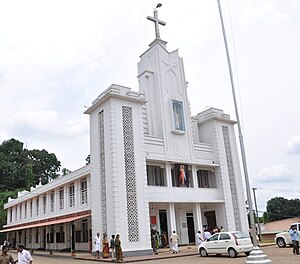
{"x": 21, "y": 168}
{"x": 280, "y": 208}
{"x": 3, "y": 199}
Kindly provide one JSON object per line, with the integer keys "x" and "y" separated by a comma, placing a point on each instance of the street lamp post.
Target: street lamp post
{"x": 256, "y": 255}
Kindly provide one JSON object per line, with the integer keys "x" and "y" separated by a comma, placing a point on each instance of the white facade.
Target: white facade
{"x": 138, "y": 142}
{"x": 153, "y": 166}
{"x": 45, "y": 217}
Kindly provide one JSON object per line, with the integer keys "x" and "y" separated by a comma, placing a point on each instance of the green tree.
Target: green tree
{"x": 12, "y": 165}
{"x": 65, "y": 171}
{"x": 21, "y": 168}
{"x": 281, "y": 208}
{"x": 42, "y": 165}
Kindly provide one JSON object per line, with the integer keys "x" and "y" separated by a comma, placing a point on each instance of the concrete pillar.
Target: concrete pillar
{"x": 172, "y": 218}
{"x": 168, "y": 174}
{"x": 198, "y": 218}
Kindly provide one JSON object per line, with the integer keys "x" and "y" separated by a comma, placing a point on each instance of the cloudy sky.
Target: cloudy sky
{"x": 57, "y": 56}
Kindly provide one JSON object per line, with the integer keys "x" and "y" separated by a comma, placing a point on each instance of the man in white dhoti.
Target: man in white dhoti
{"x": 174, "y": 239}
{"x": 97, "y": 242}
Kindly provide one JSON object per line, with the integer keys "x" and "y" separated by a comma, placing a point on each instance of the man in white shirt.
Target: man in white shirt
{"x": 24, "y": 256}
{"x": 198, "y": 238}
{"x": 207, "y": 234}
{"x": 97, "y": 242}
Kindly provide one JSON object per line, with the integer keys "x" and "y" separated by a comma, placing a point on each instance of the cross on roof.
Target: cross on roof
{"x": 157, "y": 22}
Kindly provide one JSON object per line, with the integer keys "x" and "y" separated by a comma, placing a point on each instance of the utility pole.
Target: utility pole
{"x": 258, "y": 224}
{"x": 256, "y": 255}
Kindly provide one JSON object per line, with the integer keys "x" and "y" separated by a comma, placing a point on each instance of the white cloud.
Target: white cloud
{"x": 57, "y": 56}
{"x": 46, "y": 125}
{"x": 275, "y": 173}
{"x": 293, "y": 146}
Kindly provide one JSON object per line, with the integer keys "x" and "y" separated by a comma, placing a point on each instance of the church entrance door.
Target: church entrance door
{"x": 191, "y": 227}
{"x": 163, "y": 224}
{"x": 211, "y": 219}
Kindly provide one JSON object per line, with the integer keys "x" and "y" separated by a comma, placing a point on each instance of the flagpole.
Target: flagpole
{"x": 256, "y": 254}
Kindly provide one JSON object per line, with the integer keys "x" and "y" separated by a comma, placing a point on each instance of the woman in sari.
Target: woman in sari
{"x": 119, "y": 253}
{"x": 105, "y": 247}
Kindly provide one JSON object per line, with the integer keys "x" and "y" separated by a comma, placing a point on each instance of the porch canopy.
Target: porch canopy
{"x": 45, "y": 223}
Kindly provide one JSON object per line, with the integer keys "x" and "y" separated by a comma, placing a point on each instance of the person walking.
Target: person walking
{"x": 154, "y": 241}
{"x": 105, "y": 246}
{"x": 295, "y": 236}
{"x": 199, "y": 239}
{"x": 24, "y": 256}
{"x": 174, "y": 239}
{"x": 119, "y": 252}
{"x": 112, "y": 246}
{"x": 6, "y": 258}
{"x": 97, "y": 243}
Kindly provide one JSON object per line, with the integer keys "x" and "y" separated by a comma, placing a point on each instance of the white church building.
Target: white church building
{"x": 152, "y": 166}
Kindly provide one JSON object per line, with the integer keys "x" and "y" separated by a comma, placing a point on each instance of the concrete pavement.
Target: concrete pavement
{"x": 162, "y": 254}
{"x": 186, "y": 255}
{"x": 165, "y": 253}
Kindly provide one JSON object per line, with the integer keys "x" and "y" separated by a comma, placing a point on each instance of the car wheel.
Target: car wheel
{"x": 203, "y": 252}
{"x": 232, "y": 253}
{"x": 247, "y": 253}
{"x": 280, "y": 242}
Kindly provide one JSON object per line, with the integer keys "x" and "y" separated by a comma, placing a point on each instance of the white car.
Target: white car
{"x": 284, "y": 238}
{"x": 231, "y": 243}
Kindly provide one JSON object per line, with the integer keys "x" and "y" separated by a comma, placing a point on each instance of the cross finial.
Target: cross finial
{"x": 156, "y": 21}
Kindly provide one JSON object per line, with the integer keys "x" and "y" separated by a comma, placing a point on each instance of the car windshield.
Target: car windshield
{"x": 239, "y": 235}
{"x": 214, "y": 237}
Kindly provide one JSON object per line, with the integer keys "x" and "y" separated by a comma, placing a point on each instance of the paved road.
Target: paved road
{"x": 277, "y": 255}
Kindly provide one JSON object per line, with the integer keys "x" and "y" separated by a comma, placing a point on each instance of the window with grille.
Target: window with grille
{"x": 85, "y": 231}
{"x": 25, "y": 210}
{"x": 60, "y": 235}
{"x": 130, "y": 175}
{"x": 72, "y": 195}
{"x": 37, "y": 206}
{"x": 31, "y": 208}
{"x": 10, "y": 216}
{"x": 20, "y": 212}
{"x": 83, "y": 185}
{"x": 61, "y": 198}
{"x": 44, "y": 204}
{"x": 52, "y": 202}
{"x": 51, "y": 236}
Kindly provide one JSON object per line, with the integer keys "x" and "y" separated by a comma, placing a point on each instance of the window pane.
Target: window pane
{"x": 156, "y": 175}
